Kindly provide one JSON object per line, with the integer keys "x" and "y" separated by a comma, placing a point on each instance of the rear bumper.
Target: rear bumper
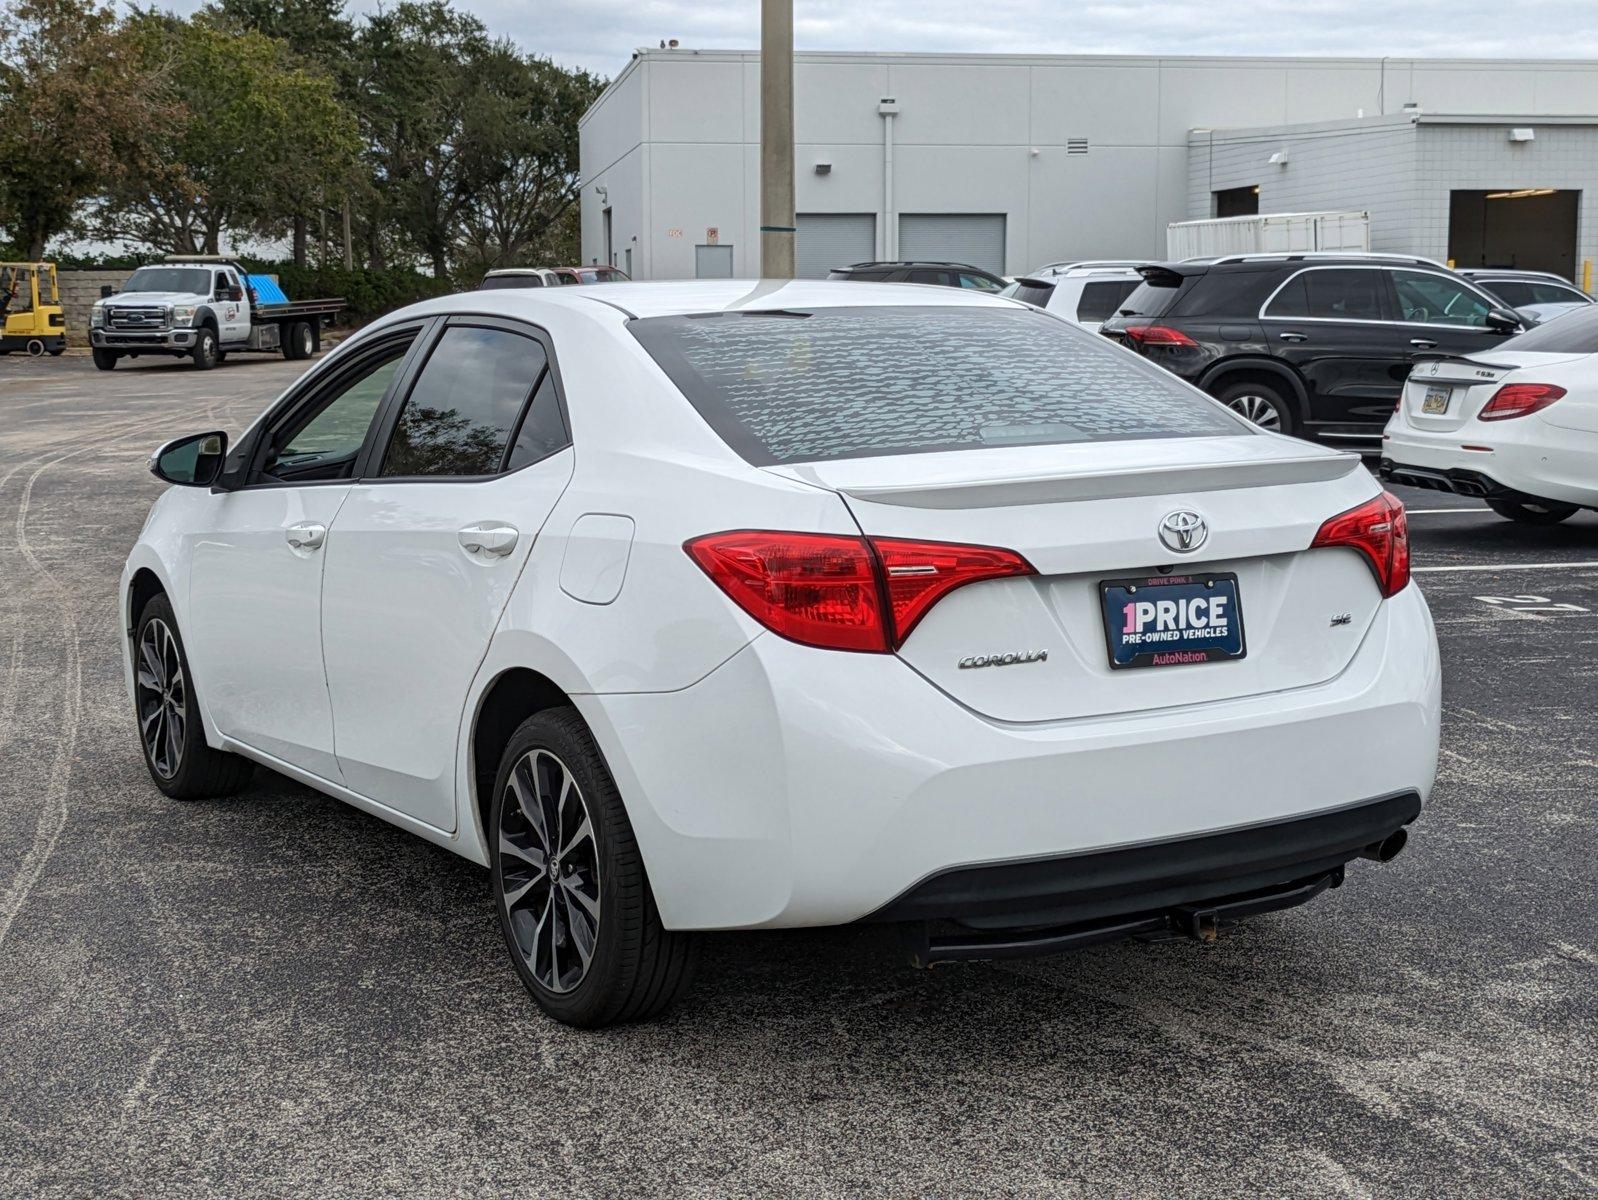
{"x": 1093, "y": 886}
{"x": 1522, "y": 459}
{"x": 797, "y": 787}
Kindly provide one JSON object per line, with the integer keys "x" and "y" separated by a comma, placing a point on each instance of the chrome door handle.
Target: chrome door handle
{"x": 1292, "y": 337}
{"x": 306, "y": 537}
{"x": 497, "y": 540}
{"x": 1422, "y": 343}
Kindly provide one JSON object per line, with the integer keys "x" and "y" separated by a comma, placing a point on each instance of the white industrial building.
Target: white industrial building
{"x": 1010, "y": 161}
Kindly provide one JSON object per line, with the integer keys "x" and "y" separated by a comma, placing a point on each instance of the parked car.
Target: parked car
{"x": 1517, "y": 425}
{"x": 960, "y": 275}
{"x": 1086, "y": 294}
{"x": 1309, "y": 344}
{"x": 704, "y": 606}
{"x": 1538, "y": 296}
{"x": 532, "y": 277}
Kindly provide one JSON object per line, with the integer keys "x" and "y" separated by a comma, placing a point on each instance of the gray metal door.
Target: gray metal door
{"x": 712, "y": 262}
{"x": 974, "y": 238}
{"x": 827, "y": 240}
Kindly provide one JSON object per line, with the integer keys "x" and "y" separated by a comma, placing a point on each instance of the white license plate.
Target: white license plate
{"x": 1436, "y": 400}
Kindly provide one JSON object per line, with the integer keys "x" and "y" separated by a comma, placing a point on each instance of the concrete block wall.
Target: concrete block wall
{"x": 79, "y": 291}
{"x": 1344, "y": 166}
{"x": 1480, "y": 157}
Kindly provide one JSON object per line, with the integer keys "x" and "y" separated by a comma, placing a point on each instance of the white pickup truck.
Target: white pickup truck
{"x": 202, "y": 308}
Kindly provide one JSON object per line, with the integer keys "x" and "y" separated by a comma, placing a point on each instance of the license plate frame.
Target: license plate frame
{"x": 1436, "y": 400}
{"x": 1181, "y": 650}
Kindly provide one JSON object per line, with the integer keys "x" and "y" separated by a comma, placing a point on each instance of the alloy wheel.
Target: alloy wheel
{"x": 549, "y": 870}
{"x": 163, "y": 697}
{"x": 1256, "y": 408}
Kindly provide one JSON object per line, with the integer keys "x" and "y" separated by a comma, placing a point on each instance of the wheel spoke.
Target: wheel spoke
{"x": 551, "y": 778}
{"x": 531, "y": 855}
{"x": 515, "y": 894}
{"x": 586, "y": 903}
{"x": 526, "y": 792}
{"x": 582, "y": 931}
{"x": 585, "y": 832}
{"x": 152, "y": 659}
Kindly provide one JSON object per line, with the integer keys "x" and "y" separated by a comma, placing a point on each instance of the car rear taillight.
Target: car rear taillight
{"x": 1158, "y": 335}
{"x": 1380, "y": 531}
{"x": 1519, "y": 400}
{"x": 839, "y": 592}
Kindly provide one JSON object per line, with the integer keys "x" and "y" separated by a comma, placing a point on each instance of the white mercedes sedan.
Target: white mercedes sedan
{"x": 1516, "y": 425}
{"x": 733, "y": 605}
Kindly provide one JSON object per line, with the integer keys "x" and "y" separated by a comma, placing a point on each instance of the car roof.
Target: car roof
{"x": 698, "y": 296}
{"x": 1512, "y": 273}
{"x": 917, "y": 262}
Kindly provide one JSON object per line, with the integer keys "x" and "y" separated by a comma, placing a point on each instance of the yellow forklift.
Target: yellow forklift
{"x": 30, "y": 309}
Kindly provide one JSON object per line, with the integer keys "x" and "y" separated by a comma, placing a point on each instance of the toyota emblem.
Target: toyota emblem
{"x": 1183, "y": 531}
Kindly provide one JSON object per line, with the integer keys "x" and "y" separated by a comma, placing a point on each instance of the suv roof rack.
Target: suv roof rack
{"x": 1315, "y": 255}
{"x": 914, "y": 262}
{"x": 225, "y": 259}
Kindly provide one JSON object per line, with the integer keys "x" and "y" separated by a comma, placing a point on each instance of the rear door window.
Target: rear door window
{"x": 466, "y": 404}
{"x": 1331, "y": 294}
{"x": 797, "y": 386}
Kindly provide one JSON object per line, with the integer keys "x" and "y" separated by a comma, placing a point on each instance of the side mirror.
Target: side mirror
{"x": 235, "y": 294}
{"x": 193, "y": 461}
{"x": 107, "y": 290}
{"x": 1504, "y": 320}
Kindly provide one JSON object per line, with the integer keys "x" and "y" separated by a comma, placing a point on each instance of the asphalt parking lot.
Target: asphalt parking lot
{"x": 279, "y": 995}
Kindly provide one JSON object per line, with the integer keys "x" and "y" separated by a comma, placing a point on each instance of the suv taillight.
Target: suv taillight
{"x": 839, "y": 592}
{"x": 1379, "y": 530}
{"x": 1520, "y": 400}
{"x": 1157, "y": 335}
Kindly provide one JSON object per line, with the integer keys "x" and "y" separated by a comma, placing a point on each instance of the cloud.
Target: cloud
{"x": 602, "y": 34}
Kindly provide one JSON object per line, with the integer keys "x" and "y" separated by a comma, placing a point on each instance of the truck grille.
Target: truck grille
{"x": 135, "y": 318}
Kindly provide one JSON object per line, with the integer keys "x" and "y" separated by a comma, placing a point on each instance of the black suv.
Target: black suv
{"x": 1313, "y": 344}
{"x": 947, "y": 274}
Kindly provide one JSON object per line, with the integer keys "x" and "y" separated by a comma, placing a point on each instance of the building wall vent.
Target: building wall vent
{"x": 1076, "y": 145}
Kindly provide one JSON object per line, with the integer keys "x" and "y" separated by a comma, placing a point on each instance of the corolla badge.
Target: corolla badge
{"x": 1183, "y": 531}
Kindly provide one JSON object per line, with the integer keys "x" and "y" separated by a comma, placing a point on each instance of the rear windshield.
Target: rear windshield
{"x": 1031, "y": 291}
{"x": 800, "y": 386}
{"x": 493, "y": 283}
{"x": 1576, "y": 332}
{"x": 1151, "y": 299}
{"x": 1519, "y": 292}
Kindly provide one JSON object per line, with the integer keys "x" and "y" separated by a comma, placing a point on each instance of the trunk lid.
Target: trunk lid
{"x": 1466, "y": 384}
{"x": 1087, "y": 513}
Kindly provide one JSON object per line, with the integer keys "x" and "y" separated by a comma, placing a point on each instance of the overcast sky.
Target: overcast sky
{"x": 601, "y": 34}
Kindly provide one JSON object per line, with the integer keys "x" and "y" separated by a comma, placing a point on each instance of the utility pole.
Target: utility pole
{"x": 776, "y": 139}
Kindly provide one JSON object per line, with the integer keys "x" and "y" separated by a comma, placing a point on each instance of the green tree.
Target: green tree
{"x": 77, "y": 107}
{"x": 260, "y": 133}
{"x": 318, "y": 35}
{"x": 416, "y": 92}
{"x": 521, "y": 125}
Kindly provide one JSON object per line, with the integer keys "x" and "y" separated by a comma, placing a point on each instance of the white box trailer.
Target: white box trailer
{"x": 1269, "y": 233}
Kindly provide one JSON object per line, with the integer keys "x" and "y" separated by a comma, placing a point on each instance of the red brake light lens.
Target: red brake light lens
{"x": 1158, "y": 335}
{"x": 1520, "y": 400}
{"x": 1380, "y": 531}
{"x": 839, "y": 592}
{"x": 920, "y": 574}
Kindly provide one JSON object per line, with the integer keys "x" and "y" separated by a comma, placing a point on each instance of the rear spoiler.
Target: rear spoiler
{"x": 1088, "y": 484}
{"x": 1444, "y": 356}
{"x": 1170, "y": 275}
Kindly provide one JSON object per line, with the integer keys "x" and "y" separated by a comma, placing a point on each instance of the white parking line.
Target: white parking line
{"x": 1553, "y": 566}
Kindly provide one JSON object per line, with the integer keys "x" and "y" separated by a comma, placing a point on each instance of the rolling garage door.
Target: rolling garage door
{"x": 827, "y": 240}
{"x": 974, "y": 238}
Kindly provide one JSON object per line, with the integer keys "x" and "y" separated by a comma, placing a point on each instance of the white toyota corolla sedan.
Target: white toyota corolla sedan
{"x": 732, "y": 605}
{"x": 1516, "y": 425}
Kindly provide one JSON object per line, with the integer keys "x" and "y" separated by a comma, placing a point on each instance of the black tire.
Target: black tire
{"x": 205, "y": 353}
{"x": 181, "y": 764}
{"x": 298, "y": 341}
{"x": 106, "y": 360}
{"x": 1533, "y": 512}
{"x": 635, "y": 968}
{"x": 1260, "y": 403}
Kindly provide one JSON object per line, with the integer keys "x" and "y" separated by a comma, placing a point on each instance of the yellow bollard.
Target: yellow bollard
{"x": 1450, "y": 264}
{"x": 1586, "y": 275}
